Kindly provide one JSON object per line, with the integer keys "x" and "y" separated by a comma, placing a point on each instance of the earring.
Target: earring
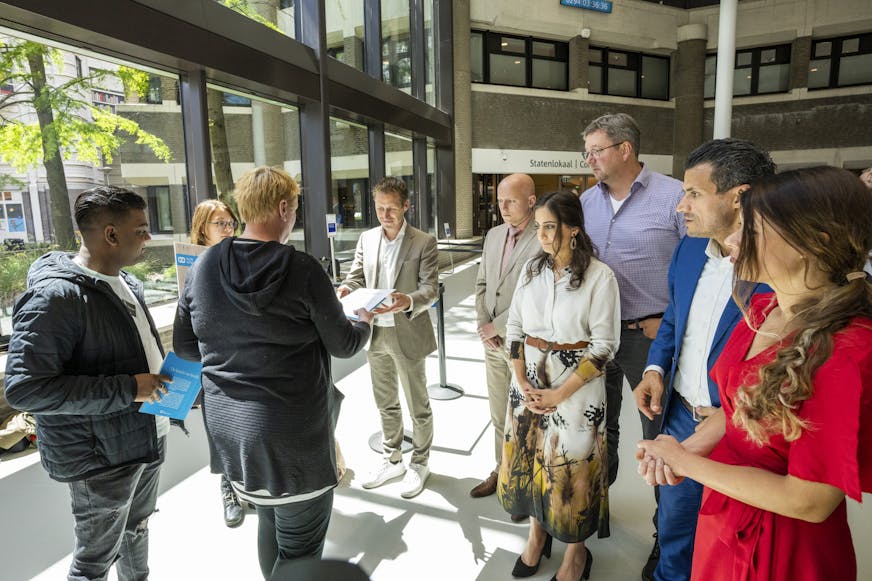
{"x": 573, "y": 243}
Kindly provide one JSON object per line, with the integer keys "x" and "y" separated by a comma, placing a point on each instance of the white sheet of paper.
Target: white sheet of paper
{"x": 364, "y": 298}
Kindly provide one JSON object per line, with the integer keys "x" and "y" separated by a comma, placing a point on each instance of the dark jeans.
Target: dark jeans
{"x": 111, "y": 513}
{"x": 630, "y": 362}
{"x": 292, "y": 531}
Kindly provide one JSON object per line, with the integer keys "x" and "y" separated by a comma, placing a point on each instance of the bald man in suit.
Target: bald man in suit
{"x": 507, "y": 248}
{"x": 399, "y": 256}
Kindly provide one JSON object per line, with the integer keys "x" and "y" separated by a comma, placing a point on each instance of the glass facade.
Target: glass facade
{"x": 520, "y": 61}
{"x": 396, "y": 47}
{"x": 841, "y": 62}
{"x": 351, "y": 199}
{"x": 758, "y": 71}
{"x": 345, "y": 32}
{"x": 628, "y": 74}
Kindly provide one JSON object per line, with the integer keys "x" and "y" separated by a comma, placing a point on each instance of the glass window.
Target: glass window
{"x": 841, "y": 62}
{"x": 508, "y": 70}
{"x": 655, "y": 78}
{"x": 345, "y": 32}
{"x": 548, "y": 74}
{"x": 818, "y": 73}
{"x": 144, "y": 149}
{"x": 429, "y": 54}
{"x": 476, "y": 57}
{"x": 621, "y": 82}
{"x": 398, "y": 164}
{"x": 711, "y": 72}
{"x": 432, "y": 196}
{"x": 245, "y": 137}
{"x": 596, "y": 55}
{"x": 617, "y": 59}
{"x": 544, "y": 49}
{"x": 855, "y": 70}
{"x": 351, "y": 195}
{"x": 758, "y": 71}
{"x": 396, "y": 51}
{"x": 595, "y": 79}
{"x": 511, "y": 44}
{"x": 276, "y": 15}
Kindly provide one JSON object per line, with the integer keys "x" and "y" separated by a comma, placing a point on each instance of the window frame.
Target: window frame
{"x": 783, "y": 57}
{"x": 634, "y": 63}
{"x": 836, "y": 55}
{"x": 492, "y": 44}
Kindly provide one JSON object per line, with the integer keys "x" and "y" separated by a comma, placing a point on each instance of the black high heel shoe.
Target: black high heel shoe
{"x": 587, "y": 564}
{"x": 522, "y": 569}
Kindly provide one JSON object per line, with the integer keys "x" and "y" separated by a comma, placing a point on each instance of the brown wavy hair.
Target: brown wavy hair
{"x": 824, "y": 213}
{"x": 567, "y": 209}
{"x": 202, "y": 213}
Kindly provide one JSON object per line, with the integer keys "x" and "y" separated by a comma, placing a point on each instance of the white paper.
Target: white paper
{"x": 364, "y": 298}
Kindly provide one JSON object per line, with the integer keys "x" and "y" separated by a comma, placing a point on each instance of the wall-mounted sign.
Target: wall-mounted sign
{"x": 506, "y": 161}
{"x": 598, "y": 5}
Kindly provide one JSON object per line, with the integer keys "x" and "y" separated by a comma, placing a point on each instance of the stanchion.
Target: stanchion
{"x": 375, "y": 442}
{"x": 443, "y": 390}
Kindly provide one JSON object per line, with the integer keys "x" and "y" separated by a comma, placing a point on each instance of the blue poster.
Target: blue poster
{"x": 598, "y": 5}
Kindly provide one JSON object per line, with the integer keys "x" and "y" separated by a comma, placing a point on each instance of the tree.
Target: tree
{"x": 67, "y": 124}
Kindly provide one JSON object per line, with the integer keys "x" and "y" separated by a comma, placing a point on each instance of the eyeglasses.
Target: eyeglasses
{"x": 597, "y": 152}
{"x": 224, "y": 225}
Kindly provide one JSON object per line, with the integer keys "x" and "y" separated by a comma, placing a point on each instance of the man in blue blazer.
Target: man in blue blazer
{"x": 699, "y": 320}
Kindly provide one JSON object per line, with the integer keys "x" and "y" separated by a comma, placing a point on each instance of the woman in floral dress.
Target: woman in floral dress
{"x": 563, "y": 327}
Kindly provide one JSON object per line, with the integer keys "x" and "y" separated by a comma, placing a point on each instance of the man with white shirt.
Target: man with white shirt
{"x": 696, "y": 326}
{"x": 398, "y": 256}
{"x": 84, "y": 350}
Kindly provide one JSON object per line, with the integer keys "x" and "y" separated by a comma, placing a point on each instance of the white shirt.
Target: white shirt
{"x": 388, "y": 252}
{"x": 616, "y": 204}
{"x": 713, "y": 290}
{"x": 149, "y": 343}
{"x": 553, "y": 311}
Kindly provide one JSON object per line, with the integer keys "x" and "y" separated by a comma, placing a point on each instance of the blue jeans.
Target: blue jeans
{"x": 111, "y": 513}
{"x": 292, "y": 531}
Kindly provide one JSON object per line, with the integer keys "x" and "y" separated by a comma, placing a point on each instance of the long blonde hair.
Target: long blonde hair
{"x": 825, "y": 214}
{"x": 202, "y": 213}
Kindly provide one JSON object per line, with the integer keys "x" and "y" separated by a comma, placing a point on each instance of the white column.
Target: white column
{"x": 726, "y": 65}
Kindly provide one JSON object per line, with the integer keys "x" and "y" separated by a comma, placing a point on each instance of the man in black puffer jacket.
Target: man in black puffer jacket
{"x": 84, "y": 350}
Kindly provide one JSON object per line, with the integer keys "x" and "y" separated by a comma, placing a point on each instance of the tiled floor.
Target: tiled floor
{"x": 441, "y": 534}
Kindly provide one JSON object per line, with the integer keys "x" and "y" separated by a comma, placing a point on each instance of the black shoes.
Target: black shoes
{"x": 524, "y": 570}
{"x": 234, "y": 512}
{"x": 653, "y": 559}
{"x": 587, "y": 565}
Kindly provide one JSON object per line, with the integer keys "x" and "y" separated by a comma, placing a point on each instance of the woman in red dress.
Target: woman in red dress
{"x": 794, "y": 436}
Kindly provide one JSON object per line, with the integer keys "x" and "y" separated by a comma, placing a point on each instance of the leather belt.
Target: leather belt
{"x": 546, "y": 345}
{"x": 696, "y": 417}
{"x": 635, "y": 323}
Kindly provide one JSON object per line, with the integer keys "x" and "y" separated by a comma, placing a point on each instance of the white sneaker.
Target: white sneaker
{"x": 414, "y": 481}
{"x": 387, "y": 471}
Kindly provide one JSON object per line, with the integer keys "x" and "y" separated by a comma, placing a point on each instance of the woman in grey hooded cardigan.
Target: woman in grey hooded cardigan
{"x": 264, "y": 320}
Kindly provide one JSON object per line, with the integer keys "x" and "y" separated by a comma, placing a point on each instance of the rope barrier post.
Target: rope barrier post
{"x": 443, "y": 390}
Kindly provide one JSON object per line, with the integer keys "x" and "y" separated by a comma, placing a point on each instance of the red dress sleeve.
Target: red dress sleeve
{"x": 830, "y": 450}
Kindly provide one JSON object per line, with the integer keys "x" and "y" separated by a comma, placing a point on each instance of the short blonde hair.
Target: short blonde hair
{"x": 260, "y": 190}
{"x": 202, "y": 213}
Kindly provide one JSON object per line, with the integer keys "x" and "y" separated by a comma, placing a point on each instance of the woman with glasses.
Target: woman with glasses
{"x": 264, "y": 320}
{"x": 563, "y": 327}
{"x": 793, "y": 439}
{"x": 213, "y": 222}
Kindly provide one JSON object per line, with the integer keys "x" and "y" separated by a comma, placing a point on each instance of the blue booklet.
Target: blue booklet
{"x": 177, "y": 402}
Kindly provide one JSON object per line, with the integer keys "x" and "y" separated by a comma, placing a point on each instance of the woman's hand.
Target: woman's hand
{"x": 661, "y": 460}
{"x": 548, "y": 398}
{"x": 531, "y": 398}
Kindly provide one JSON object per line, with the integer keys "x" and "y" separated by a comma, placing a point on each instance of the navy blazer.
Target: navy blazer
{"x": 685, "y": 269}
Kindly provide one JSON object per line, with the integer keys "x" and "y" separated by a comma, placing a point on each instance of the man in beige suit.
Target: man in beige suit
{"x": 506, "y": 248}
{"x": 398, "y": 256}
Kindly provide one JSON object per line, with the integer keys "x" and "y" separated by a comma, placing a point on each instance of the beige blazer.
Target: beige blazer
{"x": 494, "y": 290}
{"x": 417, "y": 275}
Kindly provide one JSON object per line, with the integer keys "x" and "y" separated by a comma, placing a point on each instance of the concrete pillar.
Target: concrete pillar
{"x": 353, "y": 52}
{"x": 579, "y": 62}
{"x": 800, "y": 55}
{"x": 689, "y": 75}
{"x": 462, "y": 121}
{"x": 726, "y": 66}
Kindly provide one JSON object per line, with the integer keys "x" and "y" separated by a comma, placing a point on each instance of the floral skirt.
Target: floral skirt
{"x": 555, "y": 466}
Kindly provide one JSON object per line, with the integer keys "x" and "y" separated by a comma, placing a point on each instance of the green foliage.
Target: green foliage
{"x": 79, "y": 128}
{"x": 143, "y": 270}
{"x": 245, "y": 9}
{"x": 135, "y": 81}
{"x": 170, "y": 273}
{"x": 13, "y": 272}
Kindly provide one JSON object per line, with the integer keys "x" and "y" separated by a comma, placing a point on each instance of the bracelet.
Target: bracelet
{"x": 588, "y": 370}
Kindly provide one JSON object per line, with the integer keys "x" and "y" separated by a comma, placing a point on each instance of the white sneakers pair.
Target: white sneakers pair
{"x": 413, "y": 483}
